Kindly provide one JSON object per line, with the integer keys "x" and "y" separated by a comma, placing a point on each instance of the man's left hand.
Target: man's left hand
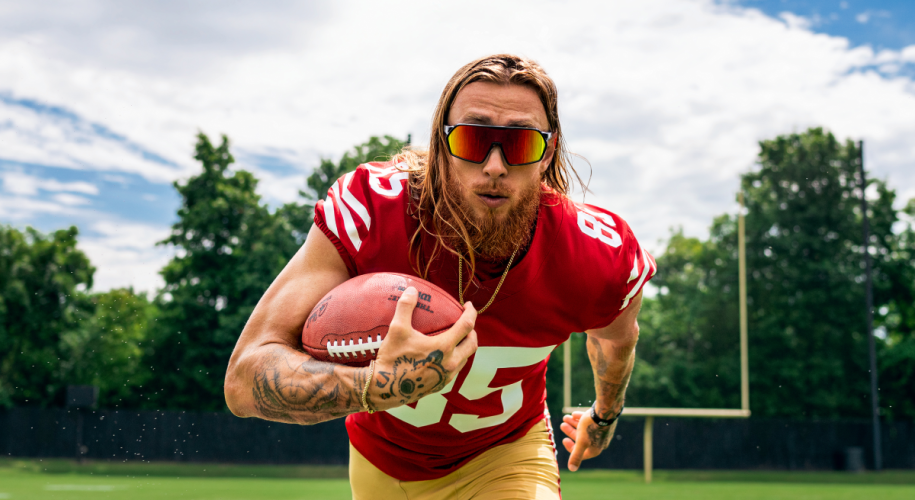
{"x": 585, "y": 438}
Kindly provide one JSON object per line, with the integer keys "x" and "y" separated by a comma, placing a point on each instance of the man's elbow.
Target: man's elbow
{"x": 235, "y": 393}
{"x": 630, "y": 338}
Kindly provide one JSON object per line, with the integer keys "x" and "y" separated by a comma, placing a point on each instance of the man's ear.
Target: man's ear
{"x": 547, "y": 160}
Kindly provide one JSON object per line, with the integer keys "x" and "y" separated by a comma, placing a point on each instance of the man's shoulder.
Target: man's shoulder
{"x": 593, "y": 227}
{"x": 365, "y": 209}
{"x": 599, "y": 249}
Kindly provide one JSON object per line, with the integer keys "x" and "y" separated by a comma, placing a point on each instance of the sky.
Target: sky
{"x": 100, "y": 101}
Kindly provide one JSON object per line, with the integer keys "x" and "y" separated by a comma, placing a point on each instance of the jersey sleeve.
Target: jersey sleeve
{"x": 343, "y": 217}
{"x": 351, "y": 209}
{"x": 625, "y": 266}
{"x": 642, "y": 268}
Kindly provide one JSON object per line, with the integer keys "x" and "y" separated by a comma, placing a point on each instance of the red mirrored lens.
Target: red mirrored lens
{"x": 519, "y": 146}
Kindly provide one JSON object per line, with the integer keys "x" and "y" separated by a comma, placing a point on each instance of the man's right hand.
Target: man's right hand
{"x": 410, "y": 365}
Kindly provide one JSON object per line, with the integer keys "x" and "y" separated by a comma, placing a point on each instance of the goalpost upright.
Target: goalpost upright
{"x": 650, "y": 413}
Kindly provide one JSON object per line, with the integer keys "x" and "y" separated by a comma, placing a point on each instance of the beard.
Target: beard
{"x": 492, "y": 237}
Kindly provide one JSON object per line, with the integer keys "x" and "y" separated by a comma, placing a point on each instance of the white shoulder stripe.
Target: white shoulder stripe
{"x": 353, "y": 203}
{"x": 635, "y": 270}
{"x": 348, "y": 222}
{"x": 654, "y": 265}
{"x": 638, "y": 286}
{"x": 329, "y": 217}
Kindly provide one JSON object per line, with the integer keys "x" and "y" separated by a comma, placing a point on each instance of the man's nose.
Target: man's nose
{"x": 494, "y": 165}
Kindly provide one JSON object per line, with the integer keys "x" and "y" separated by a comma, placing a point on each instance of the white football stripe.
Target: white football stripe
{"x": 348, "y": 222}
{"x": 638, "y": 286}
{"x": 329, "y": 217}
{"x": 635, "y": 270}
{"x": 353, "y": 203}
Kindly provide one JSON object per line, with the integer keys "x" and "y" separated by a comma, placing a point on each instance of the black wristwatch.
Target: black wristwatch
{"x": 601, "y": 422}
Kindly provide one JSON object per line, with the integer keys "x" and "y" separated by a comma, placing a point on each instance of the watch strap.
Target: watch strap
{"x": 602, "y": 422}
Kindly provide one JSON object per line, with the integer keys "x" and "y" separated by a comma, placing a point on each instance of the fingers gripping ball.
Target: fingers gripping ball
{"x": 348, "y": 325}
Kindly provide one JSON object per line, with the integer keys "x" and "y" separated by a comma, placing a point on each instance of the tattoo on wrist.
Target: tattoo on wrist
{"x": 600, "y": 436}
{"x": 410, "y": 379}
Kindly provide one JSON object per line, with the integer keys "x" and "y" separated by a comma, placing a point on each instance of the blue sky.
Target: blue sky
{"x": 100, "y": 100}
{"x": 882, "y": 24}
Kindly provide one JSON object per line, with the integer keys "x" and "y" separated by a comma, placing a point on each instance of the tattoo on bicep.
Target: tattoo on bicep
{"x": 280, "y": 392}
{"x": 411, "y": 379}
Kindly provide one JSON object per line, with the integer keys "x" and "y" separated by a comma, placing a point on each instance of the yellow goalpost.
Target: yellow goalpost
{"x": 650, "y": 413}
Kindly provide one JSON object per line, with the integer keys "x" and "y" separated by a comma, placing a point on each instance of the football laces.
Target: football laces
{"x": 345, "y": 350}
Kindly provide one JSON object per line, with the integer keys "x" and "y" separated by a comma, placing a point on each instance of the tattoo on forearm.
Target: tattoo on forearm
{"x": 281, "y": 392}
{"x": 411, "y": 379}
{"x": 609, "y": 392}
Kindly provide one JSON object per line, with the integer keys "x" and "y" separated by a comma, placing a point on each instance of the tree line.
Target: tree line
{"x": 807, "y": 343}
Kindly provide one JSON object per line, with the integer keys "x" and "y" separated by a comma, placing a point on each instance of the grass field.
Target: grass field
{"x": 60, "y": 479}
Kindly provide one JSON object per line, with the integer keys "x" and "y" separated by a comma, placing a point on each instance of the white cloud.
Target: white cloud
{"x": 125, "y": 254}
{"x": 22, "y": 209}
{"x": 18, "y": 182}
{"x": 908, "y": 54}
{"x": 667, "y": 98}
{"x": 133, "y": 35}
{"x": 866, "y": 16}
{"x": 33, "y": 134}
{"x": 795, "y": 21}
{"x": 70, "y": 199}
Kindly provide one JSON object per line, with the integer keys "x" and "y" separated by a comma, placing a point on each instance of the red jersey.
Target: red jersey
{"x": 582, "y": 269}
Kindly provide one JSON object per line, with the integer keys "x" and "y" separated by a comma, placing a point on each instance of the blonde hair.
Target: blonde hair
{"x": 429, "y": 172}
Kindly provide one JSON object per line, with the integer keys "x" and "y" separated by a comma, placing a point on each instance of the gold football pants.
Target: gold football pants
{"x": 523, "y": 470}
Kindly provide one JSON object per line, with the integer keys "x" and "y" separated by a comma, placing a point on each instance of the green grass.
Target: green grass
{"x": 62, "y": 479}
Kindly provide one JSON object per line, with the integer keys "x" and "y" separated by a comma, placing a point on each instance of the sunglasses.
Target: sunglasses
{"x": 519, "y": 145}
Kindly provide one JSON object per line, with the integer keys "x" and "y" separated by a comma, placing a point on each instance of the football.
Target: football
{"x": 349, "y": 324}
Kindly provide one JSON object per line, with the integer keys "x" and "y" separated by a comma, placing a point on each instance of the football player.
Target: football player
{"x": 483, "y": 213}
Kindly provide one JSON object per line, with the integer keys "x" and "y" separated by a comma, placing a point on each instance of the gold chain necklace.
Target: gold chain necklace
{"x": 499, "y": 286}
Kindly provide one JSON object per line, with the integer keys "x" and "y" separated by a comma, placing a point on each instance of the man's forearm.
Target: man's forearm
{"x": 611, "y": 350}
{"x": 612, "y": 363}
{"x": 290, "y": 386}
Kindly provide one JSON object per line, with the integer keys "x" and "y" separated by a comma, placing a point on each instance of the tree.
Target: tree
{"x": 42, "y": 283}
{"x": 229, "y": 249}
{"x": 808, "y": 351}
{"x": 804, "y": 253}
{"x": 106, "y": 350}
{"x": 687, "y": 354}
{"x": 896, "y": 319}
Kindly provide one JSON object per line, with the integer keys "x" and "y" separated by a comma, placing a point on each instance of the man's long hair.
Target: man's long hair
{"x": 439, "y": 209}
